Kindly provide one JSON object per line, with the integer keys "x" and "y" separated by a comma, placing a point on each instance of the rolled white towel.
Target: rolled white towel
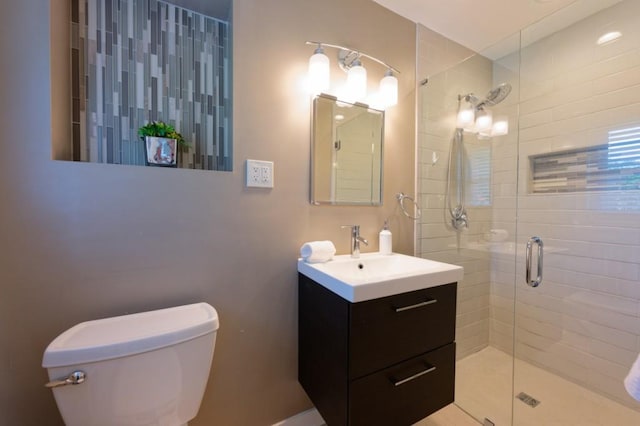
{"x": 632, "y": 381}
{"x": 317, "y": 251}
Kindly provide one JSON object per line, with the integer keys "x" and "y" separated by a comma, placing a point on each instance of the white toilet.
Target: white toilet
{"x": 149, "y": 368}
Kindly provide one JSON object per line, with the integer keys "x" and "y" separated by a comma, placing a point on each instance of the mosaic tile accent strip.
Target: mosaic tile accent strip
{"x": 610, "y": 167}
{"x": 134, "y": 61}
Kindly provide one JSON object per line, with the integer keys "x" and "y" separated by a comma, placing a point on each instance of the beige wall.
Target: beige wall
{"x": 84, "y": 241}
{"x": 323, "y": 152}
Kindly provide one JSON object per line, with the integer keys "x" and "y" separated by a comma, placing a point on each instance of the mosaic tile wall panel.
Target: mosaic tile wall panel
{"x": 134, "y": 61}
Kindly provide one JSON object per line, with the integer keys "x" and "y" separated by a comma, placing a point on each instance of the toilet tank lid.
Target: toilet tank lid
{"x": 125, "y": 335}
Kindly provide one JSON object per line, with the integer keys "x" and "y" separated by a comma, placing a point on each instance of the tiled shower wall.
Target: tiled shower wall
{"x": 134, "y": 61}
{"x": 452, "y": 70}
{"x": 583, "y": 322}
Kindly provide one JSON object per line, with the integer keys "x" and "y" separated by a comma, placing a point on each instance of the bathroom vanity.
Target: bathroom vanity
{"x": 386, "y": 360}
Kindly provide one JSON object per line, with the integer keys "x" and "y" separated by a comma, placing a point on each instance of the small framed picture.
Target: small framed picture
{"x": 161, "y": 151}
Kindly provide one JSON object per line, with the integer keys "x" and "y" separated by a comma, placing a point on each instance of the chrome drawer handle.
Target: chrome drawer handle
{"x": 429, "y": 369}
{"x": 417, "y": 305}
{"x": 75, "y": 378}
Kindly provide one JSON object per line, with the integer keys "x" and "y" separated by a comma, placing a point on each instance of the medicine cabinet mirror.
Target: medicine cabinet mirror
{"x": 135, "y": 61}
{"x": 346, "y": 154}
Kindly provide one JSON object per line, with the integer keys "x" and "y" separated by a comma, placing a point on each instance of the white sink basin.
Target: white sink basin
{"x": 375, "y": 275}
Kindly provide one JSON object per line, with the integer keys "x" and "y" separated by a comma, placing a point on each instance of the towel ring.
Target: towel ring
{"x": 401, "y": 197}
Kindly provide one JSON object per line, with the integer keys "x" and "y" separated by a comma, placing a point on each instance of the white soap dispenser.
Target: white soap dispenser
{"x": 385, "y": 239}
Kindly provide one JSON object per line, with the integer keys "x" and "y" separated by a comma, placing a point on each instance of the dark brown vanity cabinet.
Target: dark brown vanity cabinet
{"x": 386, "y": 361}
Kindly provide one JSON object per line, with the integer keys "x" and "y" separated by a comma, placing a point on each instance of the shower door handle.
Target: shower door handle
{"x": 530, "y": 243}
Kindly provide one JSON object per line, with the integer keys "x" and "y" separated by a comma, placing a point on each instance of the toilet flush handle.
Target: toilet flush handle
{"x": 75, "y": 378}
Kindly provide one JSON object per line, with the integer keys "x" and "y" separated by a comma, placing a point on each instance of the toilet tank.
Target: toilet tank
{"x": 149, "y": 368}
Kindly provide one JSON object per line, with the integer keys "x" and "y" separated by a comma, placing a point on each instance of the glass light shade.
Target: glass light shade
{"x": 375, "y": 101}
{"x": 389, "y": 90}
{"x": 357, "y": 82}
{"x": 484, "y": 121}
{"x": 318, "y": 72}
{"x": 500, "y": 127}
{"x": 466, "y": 119}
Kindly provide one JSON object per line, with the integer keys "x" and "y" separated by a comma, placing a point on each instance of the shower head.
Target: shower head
{"x": 496, "y": 95}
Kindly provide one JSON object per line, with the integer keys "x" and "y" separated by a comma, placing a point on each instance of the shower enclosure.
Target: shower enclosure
{"x": 566, "y": 171}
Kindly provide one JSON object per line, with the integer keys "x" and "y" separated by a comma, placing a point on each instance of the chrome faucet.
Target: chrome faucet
{"x": 356, "y": 239}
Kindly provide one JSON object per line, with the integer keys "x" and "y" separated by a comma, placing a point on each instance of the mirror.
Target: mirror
{"x": 346, "y": 153}
{"x": 133, "y": 62}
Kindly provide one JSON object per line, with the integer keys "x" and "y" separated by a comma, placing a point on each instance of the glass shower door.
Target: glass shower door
{"x": 468, "y": 195}
{"x": 577, "y": 333}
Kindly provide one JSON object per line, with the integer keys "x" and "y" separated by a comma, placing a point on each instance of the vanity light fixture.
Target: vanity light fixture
{"x": 356, "y": 82}
{"x": 349, "y": 60}
{"x": 389, "y": 88}
{"x": 318, "y": 71}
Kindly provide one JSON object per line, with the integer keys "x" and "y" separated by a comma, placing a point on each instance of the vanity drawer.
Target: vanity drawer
{"x": 405, "y": 393}
{"x": 392, "y": 329}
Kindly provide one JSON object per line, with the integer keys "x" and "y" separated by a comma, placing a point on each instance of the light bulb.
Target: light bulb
{"x": 318, "y": 72}
{"x": 357, "y": 82}
{"x": 500, "y": 127}
{"x": 484, "y": 121}
{"x": 389, "y": 89}
{"x": 466, "y": 119}
{"x": 376, "y": 101}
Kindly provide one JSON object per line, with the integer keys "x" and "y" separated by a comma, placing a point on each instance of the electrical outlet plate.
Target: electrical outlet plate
{"x": 259, "y": 174}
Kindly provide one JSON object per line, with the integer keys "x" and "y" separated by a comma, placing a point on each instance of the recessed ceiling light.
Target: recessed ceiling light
{"x": 609, "y": 37}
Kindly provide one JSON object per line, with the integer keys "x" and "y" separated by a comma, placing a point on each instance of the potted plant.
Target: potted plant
{"x": 162, "y": 143}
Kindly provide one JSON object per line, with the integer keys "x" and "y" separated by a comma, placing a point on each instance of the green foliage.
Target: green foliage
{"x": 161, "y": 129}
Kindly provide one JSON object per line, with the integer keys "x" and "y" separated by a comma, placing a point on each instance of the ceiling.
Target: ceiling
{"x": 480, "y": 24}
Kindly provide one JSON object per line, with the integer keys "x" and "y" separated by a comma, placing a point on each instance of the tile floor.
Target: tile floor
{"x": 450, "y": 415}
{"x": 483, "y": 389}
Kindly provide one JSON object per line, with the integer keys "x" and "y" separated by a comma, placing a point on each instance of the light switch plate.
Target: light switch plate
{"x": 259, "y": 174}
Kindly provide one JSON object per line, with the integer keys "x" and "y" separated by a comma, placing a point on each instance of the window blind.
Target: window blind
{"x": 478, "y": 175}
